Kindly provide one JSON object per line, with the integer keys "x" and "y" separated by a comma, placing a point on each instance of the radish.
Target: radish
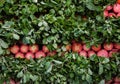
{"x": 34, "y": 48}
{"x": 76, "y": 47}
{"x": 116, "y": 8}
{"x": 52, "y": 53}
{"x": 91, "y": 53}
{"x": 109, "y": 7}
{"x": 117, "y": 80}
{"x": 45, "y": 49}
{"x": 68, "y": 47}
{"x": 113, "y": 51}
{"x": 85, "y": 48}
{"x": 118, "y": 15}
{"x": 19, "y": 55}
{"x": 102, "y": 53}
{"x": 29, "y": 55}
{"x": 117, "y": 45}
{"x": 83, "y": 53}
{"x": 24, "y": 48}
{"x": 14, "y": 49}
{"x": 111, "y": 15}
{"x": 96, "y": 48}
{"x": 108, "y": 46}
{"x": 39, "y": 54}
{"x": 105, "y": 13}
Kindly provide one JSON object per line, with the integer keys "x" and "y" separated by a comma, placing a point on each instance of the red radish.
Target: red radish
{"x": 12, "y": 81}
{"x": 39, "y": 54}
{"x": 102, "y": 53}
{"x": 29, "y": 55}
{"x": 118, "y": 15}
{"x": 105, "y": 13}
{"x": 19, "y": 55}
{"x": 96, "y": 48}
{"x": 91, "y": 53}
{"x": 113, "y": 52}
{"x": 52, "y": 53}
{"x": 86, "y": 48}
{"x": 117, "y": 45}
{"x": 116, "y": 8}
{"x": 118, "y": 1}
{"x": 24, "y": 48}
{"x": 76, "y": 47}
{"x": 83, "y": 53}
{"x": 14, "y": 49}
{"x": 117, "y": 80}
{"x": 108, "y": 46}
{"x": 34, "y": 48}
{"x": 68, "y": 47}
{"x": 109, "y": 7}
{"x": 111, "y": 15}
{"x": 45, "y": 49}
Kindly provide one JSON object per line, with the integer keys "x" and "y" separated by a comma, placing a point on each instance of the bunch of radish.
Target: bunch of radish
{"x": 101, "y": 50}
{"x": 30, "y": 51}
{"x": 112, "y": 10}
{"x": 34, "y": 51}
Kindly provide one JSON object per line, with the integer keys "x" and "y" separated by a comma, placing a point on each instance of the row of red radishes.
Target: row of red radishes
{"x": 102, "y": 50}
{"x": 112, "y": 10}
{"x": 30, "y": 51}
{"x": 33, "y": 51}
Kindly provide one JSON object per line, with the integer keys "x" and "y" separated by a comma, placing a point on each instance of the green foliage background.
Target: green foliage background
{"x": 57, "y": 22}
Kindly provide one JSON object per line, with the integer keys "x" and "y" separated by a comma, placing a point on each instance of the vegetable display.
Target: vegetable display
{"x": 59, "y": 41}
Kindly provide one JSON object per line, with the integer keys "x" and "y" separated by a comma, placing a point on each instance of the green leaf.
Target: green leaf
{"x": 55, "y": 45}
{"x": 3, "y": 44}
{"x": 40, "y": 24}
{"x": 58, "y": 62}
{"x": 68, "y": 2}
{"x": 8, "y": 25}
{"x": 91, "y": 6}
{"x": 10, "y": 1}
{"x": 71, "y": 75}
{"x": 100, "y": 68}
{"x": 20, "y": 74}
{"x": 33, "y": 77}
{"x": 15, "y": 36}
{"x": 102, "y": 82}
{"x": 1, "y": 51}
{"x": 89, "y": 71}
{"x": 106, "y": 60}
{"x": 2, "y": 2}
{"x": 48, "y": 67}
{"x": 88, "y": 78}
{"x": 24, "y": 79}
{"x": 26, "y": 40}
{"x": 35, "y": 1}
